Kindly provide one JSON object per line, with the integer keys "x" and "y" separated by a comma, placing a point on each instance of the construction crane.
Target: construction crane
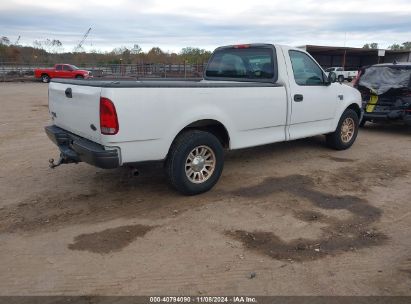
{"x": 17, "y": 41}
{"x": 80, "y": 44}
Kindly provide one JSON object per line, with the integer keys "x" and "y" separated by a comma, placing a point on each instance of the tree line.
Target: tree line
{"x": 50, "y": 51}
{"x": 405, "y": 46}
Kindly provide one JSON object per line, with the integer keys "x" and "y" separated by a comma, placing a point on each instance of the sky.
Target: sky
{"x": 175, "y": 24}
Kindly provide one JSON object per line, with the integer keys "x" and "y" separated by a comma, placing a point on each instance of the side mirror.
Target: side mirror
{"x": 332, "y": 77}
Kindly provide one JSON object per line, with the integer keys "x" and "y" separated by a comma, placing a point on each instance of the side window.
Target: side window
{"x": 339, "y": 69}
{"x": 59, "y": 67}
{"x": 66, "y": 68}
{"x": 306, "y": 71}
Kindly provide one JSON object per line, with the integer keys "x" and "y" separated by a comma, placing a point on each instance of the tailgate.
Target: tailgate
{"x": 78, "y": 114}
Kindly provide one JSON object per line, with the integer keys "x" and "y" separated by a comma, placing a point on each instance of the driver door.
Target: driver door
{"x": 313, "y": 101}
{"x": 67, "y": 71}
{"x": 58, "y": 72}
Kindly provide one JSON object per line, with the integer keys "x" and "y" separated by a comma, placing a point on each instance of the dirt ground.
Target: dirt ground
{"x": 285, "y": 219}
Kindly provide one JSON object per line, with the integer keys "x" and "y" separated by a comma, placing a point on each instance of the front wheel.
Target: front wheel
{"x": 346, "y": 133}
{"x": 195, "y": 162}
{"x": 45, "y": 78}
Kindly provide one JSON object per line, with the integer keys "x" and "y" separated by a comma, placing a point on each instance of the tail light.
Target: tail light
{"x": 241, "y": 46}
{"x": 108, "y": 117}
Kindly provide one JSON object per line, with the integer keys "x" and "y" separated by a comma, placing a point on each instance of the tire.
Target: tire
{"x": 79, "y": 77}
{"x": 45, "y": 78}
{"x": 342, "y": 138}
{"x": 179, "y": 162}
{"x": 349, "y": 79}
{"x": 341, "y": 78}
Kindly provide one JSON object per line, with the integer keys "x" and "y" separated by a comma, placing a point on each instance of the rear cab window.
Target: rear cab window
{"x": 243, "y": 63}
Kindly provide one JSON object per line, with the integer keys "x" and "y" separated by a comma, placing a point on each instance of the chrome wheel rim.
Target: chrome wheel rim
{"x": 200, "y": 164}
{"x": 347, "y": 129}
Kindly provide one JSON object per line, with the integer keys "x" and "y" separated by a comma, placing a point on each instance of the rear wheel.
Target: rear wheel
{"x": 195, "y": 162}
{"x": 79, "y": 77}
{"x": 45, "y": 78}
{"x": 341, "y": 78}
{"x": 346, "y": 132}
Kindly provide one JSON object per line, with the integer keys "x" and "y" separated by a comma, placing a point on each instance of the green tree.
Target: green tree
{"x": 156, "y": 55}
{"x": 405, "y": 46}
{"x": 395, "y": 47}
{"x": 372, "y": 46}
{"x": 156, "y": 51}
{"x": 195, "y": 55}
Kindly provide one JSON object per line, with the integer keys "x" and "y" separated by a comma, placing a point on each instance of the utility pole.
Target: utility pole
{"x": 345, "y": 50}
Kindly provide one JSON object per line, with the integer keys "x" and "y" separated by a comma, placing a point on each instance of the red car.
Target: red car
{"x": 61, "y": 71}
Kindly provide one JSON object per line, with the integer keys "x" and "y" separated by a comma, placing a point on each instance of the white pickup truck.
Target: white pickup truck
{"x": 342, "y": 74}
{"x": 251, "y": 95}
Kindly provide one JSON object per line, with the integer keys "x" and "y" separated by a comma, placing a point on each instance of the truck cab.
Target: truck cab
{"x": 342, "y": 74}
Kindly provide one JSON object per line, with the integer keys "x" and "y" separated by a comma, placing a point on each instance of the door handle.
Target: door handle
{"x": 69, "y": 93}
{"x": 298, "y": 97}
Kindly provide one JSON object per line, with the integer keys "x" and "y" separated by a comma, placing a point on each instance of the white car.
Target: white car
{"x": 251, "y": 95}
{"x": 342, "y": 74}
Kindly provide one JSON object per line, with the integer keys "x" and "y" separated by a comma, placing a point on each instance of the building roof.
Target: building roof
{"x": 340, "y": 50}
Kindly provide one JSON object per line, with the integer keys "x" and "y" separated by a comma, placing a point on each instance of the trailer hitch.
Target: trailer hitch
{"x": 63, "y": 159}
{"x": 52, "y": 164}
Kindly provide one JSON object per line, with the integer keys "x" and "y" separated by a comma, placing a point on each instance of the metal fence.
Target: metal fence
{"x": 11, "y": 70}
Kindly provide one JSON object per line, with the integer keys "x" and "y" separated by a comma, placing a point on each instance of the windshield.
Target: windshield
{"x": 74, "y": 67}
{"x": 242, "y": 63}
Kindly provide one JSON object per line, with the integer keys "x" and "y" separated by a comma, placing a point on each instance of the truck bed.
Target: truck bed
{"x": 151, "y": 113}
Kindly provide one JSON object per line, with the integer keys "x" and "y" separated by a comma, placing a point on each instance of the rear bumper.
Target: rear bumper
{"x": 75, "y": 149}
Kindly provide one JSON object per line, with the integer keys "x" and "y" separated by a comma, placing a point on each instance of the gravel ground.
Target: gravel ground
{"x": 285, "y": 219}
